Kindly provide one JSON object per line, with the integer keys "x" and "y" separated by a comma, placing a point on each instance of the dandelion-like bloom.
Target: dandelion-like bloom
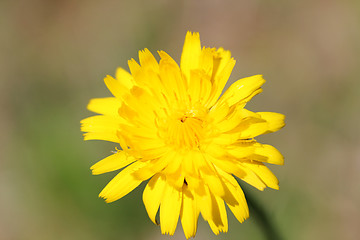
{"x": 175, "y": 129}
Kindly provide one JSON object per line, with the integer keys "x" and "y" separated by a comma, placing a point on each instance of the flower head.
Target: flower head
{"x": 175, "y": 129}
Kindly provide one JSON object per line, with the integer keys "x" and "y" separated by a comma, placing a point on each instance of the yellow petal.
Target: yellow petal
{"x": 152, "y": 195}
{"x": 250, "y": 128}
{"x": 263, "y": 173}
{"x": 195, "y": 86}
{"x": 275, "y": 120}
{"x": 237, "y": 120}
{"x": 107, "y": 106}
{"x": 191, "y": 53}
{"x": 239, "y": 91}
{"x": 170, "y": 209}
{"x": 116, "y": 87}
{"x": 174, "y": 161}
{"x": 123, "y": 183}
{"x": 254, "y": 151}
{"x": 219, "y": 112}
{"x": 194, "y": 182}
{"x": 228, "y": 166}
{"x": 106, "y": 136}
{"x": 152, "y": 167}
{"x": 150, "y": 83}
{"x": 112, "y": 163}
{"x": 189, "y": 213}
{"x": 267, "y": 153}
{"x": 200, "y": 87}
{"x": 101, "y": 123}
{"x": 240, "y": 151}
{"x": 208, "y": 173}
{"x": 239, "y": 208}
{"x": 205, "y": 89}
{"x": 176, "y": 179}
{"x": 188, "y": 164}
{"x": 152, "y": 153}
{"x": 222, "y": 61}
{"x": 218, "y": 221}
{"x": 148, "y": 61}
{"x": 124, "y": 77}
{"x": 200, "y": 79}
{"x": 212, "y": 209}
{"x": 140, "y": 131}
{"x": 150, "y": 148}
{"x": 215, "y": 184}
{"x": 239, "y": 170}
{"x": 168, "y": 59}
{"x": 137, "y": 107}
{"x": 215, "y": 150}
{"x": 146, "y": 136}
{"x": 127, "y": 112}
{"x": 134, "y": 67}
{"x": 174, "y": 84}
{"x": 172, "y": 79}
{"x": 226, "y": 139}
{"x": 206, "y": 60}
{"x": 220, "y": 78}
{"x": 243, "y": 102}
{"x": 251, "y": 178}
{"x": 203, "y": 199}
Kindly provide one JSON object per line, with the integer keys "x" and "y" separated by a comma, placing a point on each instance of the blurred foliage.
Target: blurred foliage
{"x": 54, "y": 55}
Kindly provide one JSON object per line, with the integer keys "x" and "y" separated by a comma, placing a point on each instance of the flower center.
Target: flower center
{"x": 185, "y": 130}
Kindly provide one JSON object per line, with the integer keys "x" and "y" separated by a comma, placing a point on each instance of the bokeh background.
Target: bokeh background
{"x": 54, "y": 55}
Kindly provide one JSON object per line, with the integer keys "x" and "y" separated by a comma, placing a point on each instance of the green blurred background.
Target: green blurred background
{"x": 54, "y": 55}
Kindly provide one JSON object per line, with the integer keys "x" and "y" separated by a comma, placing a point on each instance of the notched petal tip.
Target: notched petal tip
{"x": 191, "y": 53}
{"x": 93, "y": 171}
{"x": 133, "y": 66}
{"x": 147, "y": 60}
{"x": 90, "y": 136}
{"x": 102, "y": 196}
{"x": 192, "y": 35}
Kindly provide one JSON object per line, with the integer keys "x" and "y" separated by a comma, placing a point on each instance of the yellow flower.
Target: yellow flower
{"x": 175, "y": 129}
